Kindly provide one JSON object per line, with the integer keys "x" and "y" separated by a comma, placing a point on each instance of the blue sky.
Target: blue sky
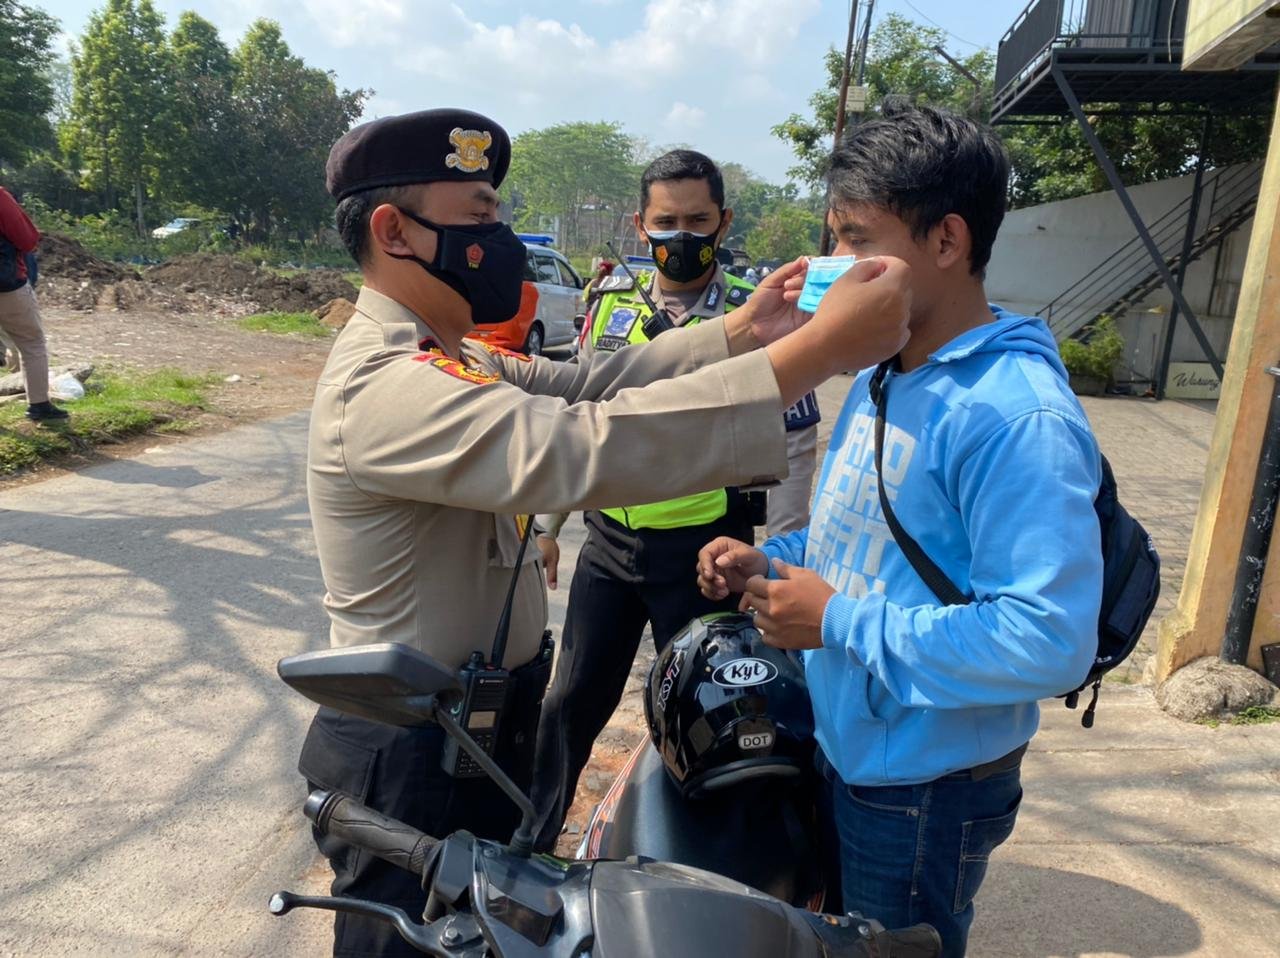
{"x": 715, "y": 74}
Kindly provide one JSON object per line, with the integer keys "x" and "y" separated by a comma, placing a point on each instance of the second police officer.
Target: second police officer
{"x": 633, "y": 569}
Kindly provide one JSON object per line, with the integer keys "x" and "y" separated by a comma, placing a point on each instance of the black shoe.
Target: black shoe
{"x": 42, "y": 411}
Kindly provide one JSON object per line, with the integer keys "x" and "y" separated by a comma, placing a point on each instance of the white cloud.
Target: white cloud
{"x": 751, "y": 32}
{"x": 695, "y": 71}
{"x": 684, "y": 118}
{"x": 353, "y": 23}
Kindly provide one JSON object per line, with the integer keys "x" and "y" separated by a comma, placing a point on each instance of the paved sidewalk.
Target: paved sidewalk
{"x": 151, "y": 749}
{"x": 1158, "y": 451}
{"x": 1142, "y": 836}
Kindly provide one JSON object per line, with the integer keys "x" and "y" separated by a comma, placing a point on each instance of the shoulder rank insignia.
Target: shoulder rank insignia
{"x": 471, "y": 146}
{"x": 494, "y": 350}
{"x": 616, "y": 284}
{"x": 737, "y": 295}
{"x": 456, "y": 368}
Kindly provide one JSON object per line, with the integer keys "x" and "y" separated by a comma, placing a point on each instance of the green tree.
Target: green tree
{"x": 583, "y": 174}
{"x": 203, "y": 157}
{"x": 118, "y": 101}
{"x": 26, "y": 93}
{"x": 1055, "y": 163}
{"x": 288, "y": 116}
{"x": 901, "y": 61}
{"x": 751, "y": 197}
{"x": 786, "y": 231}
{"x": 1048, "y": 162}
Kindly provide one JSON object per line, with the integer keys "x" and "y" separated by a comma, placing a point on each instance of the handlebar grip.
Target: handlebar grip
{"x": 344, "y": 818}
{"x": 918, "y": 941}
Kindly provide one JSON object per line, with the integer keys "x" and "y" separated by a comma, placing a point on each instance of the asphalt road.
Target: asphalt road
{"x": 151, "y": 800}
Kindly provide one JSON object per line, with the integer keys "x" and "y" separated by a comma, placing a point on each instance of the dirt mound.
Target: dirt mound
{"x": 72, "y": 276}
{"x": 336, "y": 313}
{"x": 229, "y": 278}
{"x": 61, "y": 257}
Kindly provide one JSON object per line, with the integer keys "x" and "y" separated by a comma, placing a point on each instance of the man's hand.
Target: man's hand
{"x": 550, "y": 550}
{"x": 771, "y": 311}
{"x": 725, "y": 565}
{"x": 789, "y": 610}
{"x": 866, "y": 311}
{"x": 862, "y": 319}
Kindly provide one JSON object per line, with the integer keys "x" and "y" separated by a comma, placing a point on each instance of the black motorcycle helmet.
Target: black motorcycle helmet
{"x": 724, "y": 708}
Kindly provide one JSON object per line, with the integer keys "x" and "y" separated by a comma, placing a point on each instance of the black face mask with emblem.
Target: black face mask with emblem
{"x": 483, "y": 263}
{"x": 682, "y": 256}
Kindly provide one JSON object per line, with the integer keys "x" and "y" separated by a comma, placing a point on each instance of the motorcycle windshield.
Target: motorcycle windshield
{"x": 657, "y": 908}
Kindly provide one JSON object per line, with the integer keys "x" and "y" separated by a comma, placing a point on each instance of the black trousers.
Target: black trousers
{"x": 624, "y": 580}
{"x": 397, "y": 772}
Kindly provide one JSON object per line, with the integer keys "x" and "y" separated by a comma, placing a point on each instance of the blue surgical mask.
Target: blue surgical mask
{"x": 823, "y": 271}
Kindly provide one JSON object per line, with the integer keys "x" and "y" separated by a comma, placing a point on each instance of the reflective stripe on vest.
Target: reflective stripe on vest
{"x": 619, "y": 321}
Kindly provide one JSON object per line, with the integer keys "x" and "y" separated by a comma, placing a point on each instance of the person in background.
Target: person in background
{"x": 19, "y": 313}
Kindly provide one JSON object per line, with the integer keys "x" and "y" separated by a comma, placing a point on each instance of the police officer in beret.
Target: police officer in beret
{"x": 427, "y": 450}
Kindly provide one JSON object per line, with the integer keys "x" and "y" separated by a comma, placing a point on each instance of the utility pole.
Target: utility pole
{"x": 976, "y": 108}
{"x": 842, "y": 102}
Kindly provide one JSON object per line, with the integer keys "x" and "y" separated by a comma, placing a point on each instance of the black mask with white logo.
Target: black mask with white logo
{"x": 483, "y": 263}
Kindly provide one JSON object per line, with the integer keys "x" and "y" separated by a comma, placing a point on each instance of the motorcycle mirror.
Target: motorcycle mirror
{"x": 388, "y": 682}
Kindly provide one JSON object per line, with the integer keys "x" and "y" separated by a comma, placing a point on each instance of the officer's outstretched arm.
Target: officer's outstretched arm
{"x": 435, "y": 430}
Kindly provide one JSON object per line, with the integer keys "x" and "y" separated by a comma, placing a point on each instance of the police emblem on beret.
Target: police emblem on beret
{"x": 470, "y": 147}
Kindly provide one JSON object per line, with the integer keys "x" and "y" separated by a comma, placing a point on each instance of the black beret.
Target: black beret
{"x": 418, "y": 147}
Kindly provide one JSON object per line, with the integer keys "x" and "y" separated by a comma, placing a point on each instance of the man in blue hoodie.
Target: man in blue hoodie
{"x": 923, "y": 709}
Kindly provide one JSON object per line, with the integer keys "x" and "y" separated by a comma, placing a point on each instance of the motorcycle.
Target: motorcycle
{"x": 489, "y": 900}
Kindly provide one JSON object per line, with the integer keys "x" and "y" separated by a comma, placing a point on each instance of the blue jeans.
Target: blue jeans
{"x": 913, "y": 853}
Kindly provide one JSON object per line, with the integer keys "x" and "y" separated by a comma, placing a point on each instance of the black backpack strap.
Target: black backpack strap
{"x": 925, "y": 567}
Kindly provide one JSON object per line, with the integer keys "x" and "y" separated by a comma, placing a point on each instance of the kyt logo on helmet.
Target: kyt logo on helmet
{"x": 734, "y": 675}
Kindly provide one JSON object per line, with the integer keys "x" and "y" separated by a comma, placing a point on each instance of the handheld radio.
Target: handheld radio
{"x": 658, "y": 321}
{"x": 486, "y": 688}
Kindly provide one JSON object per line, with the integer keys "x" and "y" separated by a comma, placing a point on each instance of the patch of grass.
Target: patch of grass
{"x": 1257, "y": 715}
{"x": 304, "y": 324}
{"x": 1253, "y": 715}
{"x": 116, "y": 405}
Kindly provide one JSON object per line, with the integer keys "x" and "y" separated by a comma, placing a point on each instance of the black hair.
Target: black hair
{"x": 352, "y": 217}
{"x": 682, "y": 165}
{"x": 921, "y": 164}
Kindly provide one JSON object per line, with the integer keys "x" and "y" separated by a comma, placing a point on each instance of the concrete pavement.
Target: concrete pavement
{"x": 150, "y": 748}
{"x": 149, "y": 745}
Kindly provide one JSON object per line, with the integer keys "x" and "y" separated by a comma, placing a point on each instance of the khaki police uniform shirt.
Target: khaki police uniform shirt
{"x": 418, "y": 464}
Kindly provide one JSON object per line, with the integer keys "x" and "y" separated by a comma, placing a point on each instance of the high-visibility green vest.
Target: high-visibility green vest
{"x": 619, "y": 321}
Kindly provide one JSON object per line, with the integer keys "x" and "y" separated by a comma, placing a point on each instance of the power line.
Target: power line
{"x": 941, "y": 27}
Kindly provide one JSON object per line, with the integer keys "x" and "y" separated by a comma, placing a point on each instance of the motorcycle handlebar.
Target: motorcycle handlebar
{"x": 343, "y": 817}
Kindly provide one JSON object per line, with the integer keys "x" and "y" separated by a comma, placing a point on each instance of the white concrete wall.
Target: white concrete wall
{"x": 1044, "y": 249}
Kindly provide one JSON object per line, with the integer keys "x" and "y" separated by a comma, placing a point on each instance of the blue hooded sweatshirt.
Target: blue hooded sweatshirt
{"x": 991, "y": 467}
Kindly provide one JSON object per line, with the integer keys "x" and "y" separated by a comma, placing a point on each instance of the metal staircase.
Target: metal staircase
{"x": 1127, "y": 275}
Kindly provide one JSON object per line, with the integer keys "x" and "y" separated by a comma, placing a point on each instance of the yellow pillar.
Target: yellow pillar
{"x": 1195, "y": 628}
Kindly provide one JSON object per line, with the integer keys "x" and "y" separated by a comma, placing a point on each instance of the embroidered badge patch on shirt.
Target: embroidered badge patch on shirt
{"x": 620, "y": 321}
{"x": 497, "y": 350}
{"x": 456, "y": 369}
